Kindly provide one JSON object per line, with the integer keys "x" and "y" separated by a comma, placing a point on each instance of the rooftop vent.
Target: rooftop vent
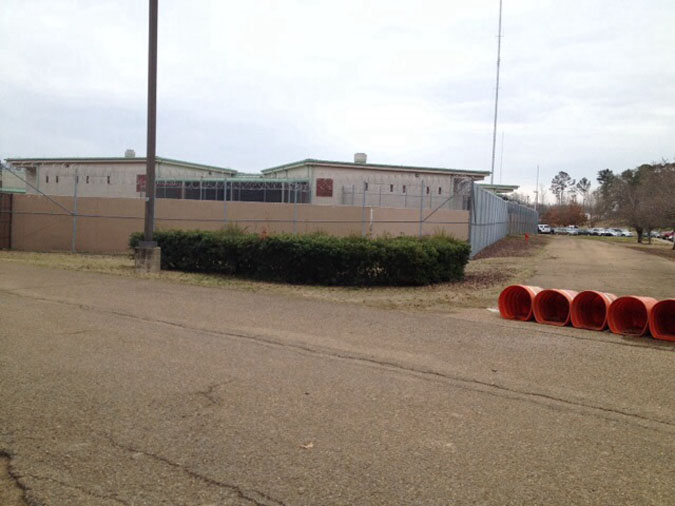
{"x": 130, "y": 153}
{"x": 360, "y": 157}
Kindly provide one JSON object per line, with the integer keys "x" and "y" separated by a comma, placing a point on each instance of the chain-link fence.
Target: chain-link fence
{"x": 493, "y": 218}
{"x": 407, "y": 196}
{"x": 88, "y": 221}
{"x": 234, "y": 190}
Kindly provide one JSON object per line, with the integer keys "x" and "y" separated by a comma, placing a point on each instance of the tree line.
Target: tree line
{"x": 642, "y": 198}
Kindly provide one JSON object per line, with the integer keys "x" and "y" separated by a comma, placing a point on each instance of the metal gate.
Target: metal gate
{"x": 5, "y": 220}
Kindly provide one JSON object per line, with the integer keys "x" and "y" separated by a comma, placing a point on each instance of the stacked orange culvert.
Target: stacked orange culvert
{"x": 591, "y": 310}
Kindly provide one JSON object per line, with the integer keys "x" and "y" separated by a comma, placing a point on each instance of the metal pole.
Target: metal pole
{"x": 152, "y": 122}
{"x": 536, "y": 192}
{"x": 74, "y": 236}
{"x": 421, "y": 207}
{"x": 225, "y": 200}
{"x": 363, "y": 211}
{"x": 295, "y": 209}
{"x": 494, "y": 131}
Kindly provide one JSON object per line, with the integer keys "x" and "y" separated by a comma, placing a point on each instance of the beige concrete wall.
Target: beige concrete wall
{"x": 386, "y": 187}
{"x": 104, "y": 224}
{"x": 112, "y": 179}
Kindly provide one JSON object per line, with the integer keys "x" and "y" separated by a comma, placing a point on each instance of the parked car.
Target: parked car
{"x": 560, "y": 231}
{"x": 543, "y": 228}
{"x": 597, "y": 231}
{"x": 626, "y": 233}
{"x": 668, "y": 236}
{"x": 584, "y": 231}
{"x": 572, "y": 231}
{"x": 610, "y": 232}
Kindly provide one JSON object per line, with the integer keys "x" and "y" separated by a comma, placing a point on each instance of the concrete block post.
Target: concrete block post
{"x": 148, "y": 257}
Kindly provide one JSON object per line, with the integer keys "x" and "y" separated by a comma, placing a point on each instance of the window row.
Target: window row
{"x": 77, "y": 179}
{"x": 404, "y": 189}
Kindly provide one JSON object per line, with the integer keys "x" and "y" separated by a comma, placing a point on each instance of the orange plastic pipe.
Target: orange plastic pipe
{"x": 589, "y": 309}
{"x": 552, "y": 307}
{"x": 662, "y": 320}
{"x": 515, "y": 302}
{"x": 630, "y": 315}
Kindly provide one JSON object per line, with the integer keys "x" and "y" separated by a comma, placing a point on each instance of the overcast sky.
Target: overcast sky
{"x": 585, "y": 84}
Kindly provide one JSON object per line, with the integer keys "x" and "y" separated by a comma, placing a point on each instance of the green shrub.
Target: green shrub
{"x": 315, "y": 258}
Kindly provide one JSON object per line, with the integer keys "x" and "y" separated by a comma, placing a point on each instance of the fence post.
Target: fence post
{"x": 421, "y": 207}
{"x": 295, "y": 208}
{"x": 74, "y": 236}
{"x": 363, "y": 210}
{"x": 225, "y": 200}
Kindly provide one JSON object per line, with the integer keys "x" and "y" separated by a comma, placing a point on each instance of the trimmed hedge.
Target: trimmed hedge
{"x": 314, "y": 259}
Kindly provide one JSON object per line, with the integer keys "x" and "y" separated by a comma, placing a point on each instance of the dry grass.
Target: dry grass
{"x": 662, "y": 248}
{"x": 509, "y": 261}
{"x": 658, "y": 247}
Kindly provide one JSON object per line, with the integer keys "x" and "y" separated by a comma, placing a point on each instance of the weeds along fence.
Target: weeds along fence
{"x": 493, "y": 218}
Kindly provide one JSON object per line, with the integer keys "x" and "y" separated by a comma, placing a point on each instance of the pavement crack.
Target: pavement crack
{"x": 86, "y": 491}
{"x": 253, "y": 496}
{"x": 543, "y": 399}
{"x": 11, "y": 478}
{"x": 209, "y": 393}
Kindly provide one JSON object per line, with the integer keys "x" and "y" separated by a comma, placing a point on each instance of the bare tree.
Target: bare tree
{"x": 560, "y": 184}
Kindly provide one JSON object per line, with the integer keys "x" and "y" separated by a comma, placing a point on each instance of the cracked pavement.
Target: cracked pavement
{"x": 140, "y": 392}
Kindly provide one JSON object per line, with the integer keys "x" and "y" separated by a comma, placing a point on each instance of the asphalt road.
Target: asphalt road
{"x": 123, "y": 391}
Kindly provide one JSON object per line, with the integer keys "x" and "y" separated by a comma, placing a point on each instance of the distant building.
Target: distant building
{"x": 313, "y": 181}
{"x": 12, "y": 182}
{"x": 106, "y": 177}
{"x": 381, "y": 185}
{"x": 499, "y": 189}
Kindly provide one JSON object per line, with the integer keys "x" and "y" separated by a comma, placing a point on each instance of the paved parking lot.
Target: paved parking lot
{"x": 126, "y": 391}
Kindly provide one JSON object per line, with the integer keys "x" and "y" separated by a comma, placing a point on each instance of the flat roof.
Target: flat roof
{"x": 375, "y": 166}
{"x": 499, "y": 188}
{"x": 167, "y": 161}
{"x": 236, "y": 179}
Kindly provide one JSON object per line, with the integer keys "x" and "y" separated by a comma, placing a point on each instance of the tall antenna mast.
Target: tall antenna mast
{"x": 494, "y": 131}
{"x": 536, "y": 191}
{"x": 501, "y": 159}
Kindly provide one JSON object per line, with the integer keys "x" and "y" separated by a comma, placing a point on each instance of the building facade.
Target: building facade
{"x": 360, "y": 183}
{"x": 105, "y": 177}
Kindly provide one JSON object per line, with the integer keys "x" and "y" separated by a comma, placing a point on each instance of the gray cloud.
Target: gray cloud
{"x": 585, "y": 85}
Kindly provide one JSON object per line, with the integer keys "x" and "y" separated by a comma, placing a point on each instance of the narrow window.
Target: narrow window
{"x": 88, "y": 180}
{"x": 77, "y": 179}
{"x": 439, "y": 190}
{"x": 108, "y": 179}
{"x": 366, "y": 186}
{"x": 391, "y": 188}
{"x": 46, "y": 179}
{"x": 57, "y": 179}
{"x": 427, "y": 190}
{"x": 403, "y": 188}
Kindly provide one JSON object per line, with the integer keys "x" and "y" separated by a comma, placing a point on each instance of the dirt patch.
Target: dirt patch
{"x": 11, "y": 493}
{"x": 662, "y": 251}
{"x": 516, "y": 246}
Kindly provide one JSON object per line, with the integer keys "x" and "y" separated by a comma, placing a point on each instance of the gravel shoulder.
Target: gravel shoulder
{"x": 583, "y": 264}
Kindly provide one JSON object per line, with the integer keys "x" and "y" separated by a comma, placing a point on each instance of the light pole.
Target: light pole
{"x": 147, "y": 254}
{"x": 152, "y": 124}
